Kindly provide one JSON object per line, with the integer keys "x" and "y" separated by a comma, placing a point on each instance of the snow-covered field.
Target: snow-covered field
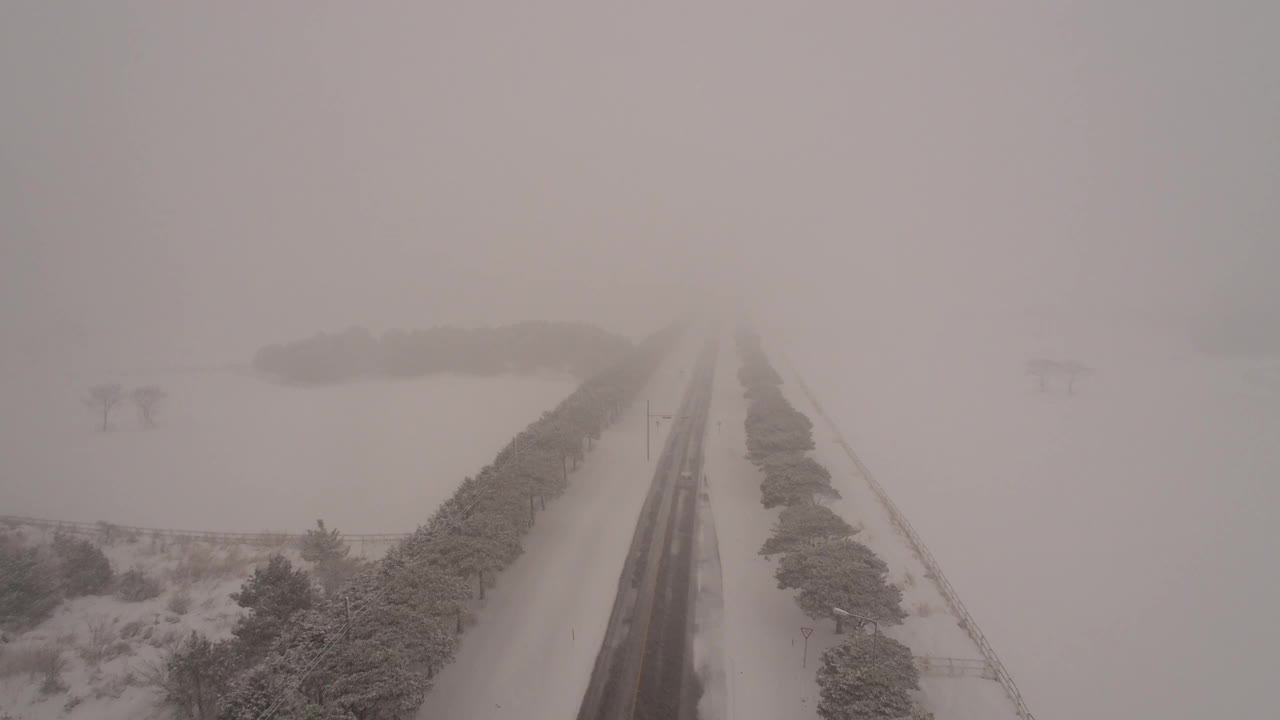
{"x": 233, "y": 452}
{"x": 110, "y": 647}
{"x": 757, "y": 642}
{"x": 1116, "y": 545}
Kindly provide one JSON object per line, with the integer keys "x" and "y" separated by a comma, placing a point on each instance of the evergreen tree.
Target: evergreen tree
{"x": 843, "y": 574}
{"x": 326, "y": 548}
{"x": 198, "y": 675}
{"x": 805, "y": 524}
{"x": 272, "y": 595}
{"x": 791, "y": 478}
{"x": 868, "y": 678}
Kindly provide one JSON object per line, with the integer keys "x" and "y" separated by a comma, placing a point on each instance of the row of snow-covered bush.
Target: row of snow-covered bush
{"x": 370, "y": 649}
{"x": 35, "y": 579}
{"x": 861, "y": 679}
{"x": 577, "y": 348}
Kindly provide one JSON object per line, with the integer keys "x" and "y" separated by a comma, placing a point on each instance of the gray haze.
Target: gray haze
{"x": 182, "y": 183}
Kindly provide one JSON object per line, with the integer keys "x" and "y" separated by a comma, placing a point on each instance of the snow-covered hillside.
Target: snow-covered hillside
{"x": 235, "y": 453}
{"x": 1114, "y": 545}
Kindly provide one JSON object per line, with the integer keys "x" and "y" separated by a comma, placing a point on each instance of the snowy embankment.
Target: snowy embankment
{"x": 232, "y": 452}
{"x": 931, "y": 630}
{"x": 750, "y": 648}
{"x": 102, "y": 649}
{"x": 530, "y": 654}
{"x": 1118, "y": 540}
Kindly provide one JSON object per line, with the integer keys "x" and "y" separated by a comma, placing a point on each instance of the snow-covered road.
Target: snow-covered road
{"x": 762, "y": 674}
{"x": 531, "y": 653}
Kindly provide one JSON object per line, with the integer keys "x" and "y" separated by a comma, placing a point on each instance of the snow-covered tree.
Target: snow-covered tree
{"x": 866, "y": 678}
{"x": 805, "y": 524}
{"x": 323, "y": 544}
{"x": 29, "y": 585}
{"x": 328, "y": 550}
{"x": 483, "y": 543}
{"x": 147, "y": 398}
{"x": 844, "y": 574}
{"x": 273, "y": 595}
{"x": 791, "y": 478}
{"x": 104, "y": 398}
{"x": 196, "y": 677}
{"x": 1074, "y": 371}
{"x": 775, "y": 427}
{"x": 84, "y": 568}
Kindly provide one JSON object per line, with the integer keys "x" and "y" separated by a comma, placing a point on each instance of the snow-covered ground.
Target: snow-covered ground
{"x": 532, "y": 652}
{"x": 762, "y": 660}
{"x": 1116, "y": 546}
{"x": 233, "y": 452}
{"x": 131, "y": 637}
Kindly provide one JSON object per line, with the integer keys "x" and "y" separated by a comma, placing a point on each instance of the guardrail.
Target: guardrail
{"x": 264, "y": 539}
{"x": 926, "y": 558}
{"x": 954, "y": 667}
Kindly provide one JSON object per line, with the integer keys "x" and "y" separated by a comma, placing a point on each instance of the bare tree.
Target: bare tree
{"x": 104, "y": 397}
{"x": 1074, "y": 370}
{"x": 146, "y": 398}
{"x": 1042, "y": 368}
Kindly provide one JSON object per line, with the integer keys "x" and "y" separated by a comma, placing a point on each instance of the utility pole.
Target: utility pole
{"x": 649, "y": 416}
{"x": 859, "y": 621}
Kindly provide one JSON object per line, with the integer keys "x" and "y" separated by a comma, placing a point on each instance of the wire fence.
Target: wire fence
{"x": 111, "y": 531}
{"x": 926, "y": 558}
{"x": 934, "y": 666}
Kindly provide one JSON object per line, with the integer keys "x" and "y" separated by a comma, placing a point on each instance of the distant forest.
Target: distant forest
{"x": 576, "y": 348}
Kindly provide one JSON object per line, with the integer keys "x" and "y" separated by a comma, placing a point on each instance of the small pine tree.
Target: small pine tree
{"x": 197, "y": 676}
{"x": 328, "y": 551}
{"x": 323, "y": 545}
{"x": 272, "y": 595}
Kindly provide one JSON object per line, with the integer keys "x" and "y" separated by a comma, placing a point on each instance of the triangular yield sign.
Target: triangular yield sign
{"x": 806, "y": 632}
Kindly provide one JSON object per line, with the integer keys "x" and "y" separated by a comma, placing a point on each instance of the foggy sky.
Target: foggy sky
{"x": 182, "y": 183}
{"x": 893, "y": 185}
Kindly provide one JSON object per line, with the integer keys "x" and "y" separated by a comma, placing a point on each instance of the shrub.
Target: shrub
{"x": 137, "y": 586}
{"x": 180, "y": 602}
{"x": 28, "y": 585}
{"x": 102, "y": 644}
{"x": 200, "y": 562}
{"x": 84, "y": 569}
{"x": 37, "y": 661}
{"x": 195, "y": 676}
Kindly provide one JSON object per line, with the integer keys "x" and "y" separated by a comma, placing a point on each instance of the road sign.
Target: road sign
{"x": 806, "y": 632}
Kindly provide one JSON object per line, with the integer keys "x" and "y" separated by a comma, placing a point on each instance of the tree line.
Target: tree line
{"x": 371, "y": 647}
{"x": 860, "y": 679}
{"x": 580, "y": 349}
